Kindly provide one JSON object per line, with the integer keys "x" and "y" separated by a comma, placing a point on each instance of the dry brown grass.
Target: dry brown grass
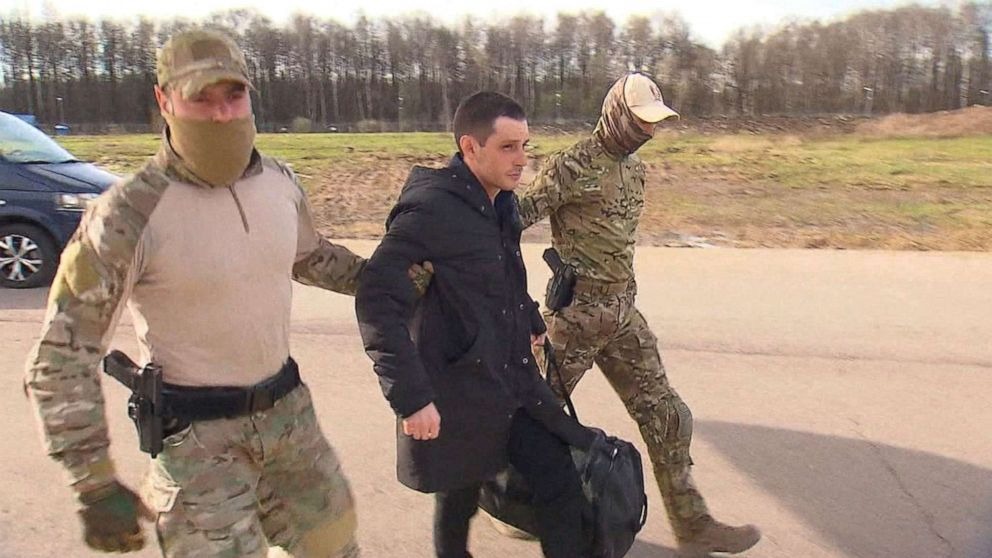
{"x": 971, "y": 121}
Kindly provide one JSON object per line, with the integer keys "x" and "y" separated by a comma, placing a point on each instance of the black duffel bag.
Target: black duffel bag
{"x": 612, "y": 481}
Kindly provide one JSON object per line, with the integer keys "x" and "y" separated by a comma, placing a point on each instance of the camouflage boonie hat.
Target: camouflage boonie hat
{"x": 192, "y": 60}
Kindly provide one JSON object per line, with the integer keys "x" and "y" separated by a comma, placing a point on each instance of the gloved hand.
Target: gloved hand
{"x": 110, "y": 519}
{"x": 421, "y": 275}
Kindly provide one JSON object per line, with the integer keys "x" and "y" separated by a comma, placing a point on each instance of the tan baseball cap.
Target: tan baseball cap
{"x": 194, "y": 59}
{"x": 643, "y": 97}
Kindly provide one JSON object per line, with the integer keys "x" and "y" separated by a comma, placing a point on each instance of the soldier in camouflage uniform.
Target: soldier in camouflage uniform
{"x": 201, "y": 244}
{"x": 594, "y": 194}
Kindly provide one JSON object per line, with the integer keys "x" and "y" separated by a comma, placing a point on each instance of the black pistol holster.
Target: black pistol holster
{"x": 561, "y": 287}
{"x": 159, "y": 409}
{"x": 146, "y": 403}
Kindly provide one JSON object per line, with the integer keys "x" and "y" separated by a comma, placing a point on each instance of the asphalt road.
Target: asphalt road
{"x": 840, "y": 398}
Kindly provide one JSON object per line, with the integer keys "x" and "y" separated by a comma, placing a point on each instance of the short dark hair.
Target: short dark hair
{"x": 477, "y": 114}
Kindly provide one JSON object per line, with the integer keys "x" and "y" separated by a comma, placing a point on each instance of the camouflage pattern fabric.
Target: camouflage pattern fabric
{"x": 222, "y": 488}
{"x": 617, "y": 129}
{"x": 83, "y": 306}
{"x": 594, "y": 193}
{"x": 230, "y": 488}
{"x": 595, "y": 203}
{"x": 95, "y": 278}
{"x": 85, "y": 302}
{"x": 610, "y": 332}
{"x": 195, "y": 58}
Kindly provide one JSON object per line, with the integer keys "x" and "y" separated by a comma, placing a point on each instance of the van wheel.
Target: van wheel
{"x": 28, "y": 257}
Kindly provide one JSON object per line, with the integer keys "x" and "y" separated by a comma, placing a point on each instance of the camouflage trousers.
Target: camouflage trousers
{"x": 607, "y": 330}
{"x": 234, "y": 487}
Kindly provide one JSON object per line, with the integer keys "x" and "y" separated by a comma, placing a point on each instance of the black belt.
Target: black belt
{"x": 208, "y": 403}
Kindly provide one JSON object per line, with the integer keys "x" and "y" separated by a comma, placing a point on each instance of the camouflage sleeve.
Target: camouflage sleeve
{"x": 565, "y": 177}
{"x": 321, "y": 263}
{"x": 62, "y": 378}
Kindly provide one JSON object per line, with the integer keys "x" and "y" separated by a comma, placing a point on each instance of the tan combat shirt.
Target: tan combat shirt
{"x": 206, "y": 273}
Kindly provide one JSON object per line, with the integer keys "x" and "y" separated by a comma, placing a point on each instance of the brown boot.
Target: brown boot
{"x": 713, "y": 536}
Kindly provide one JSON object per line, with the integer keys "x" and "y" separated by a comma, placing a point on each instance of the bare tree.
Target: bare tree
{"x": 412, "y": 70}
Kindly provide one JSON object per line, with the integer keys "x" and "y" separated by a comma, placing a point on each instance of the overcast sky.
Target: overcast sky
{"x": 711, "y": 21}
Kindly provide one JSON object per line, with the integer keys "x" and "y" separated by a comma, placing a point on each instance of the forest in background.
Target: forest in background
{"x": 409, "y": 72}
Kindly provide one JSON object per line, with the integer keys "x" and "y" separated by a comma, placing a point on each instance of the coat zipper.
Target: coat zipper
{"x": 237, "y": 202}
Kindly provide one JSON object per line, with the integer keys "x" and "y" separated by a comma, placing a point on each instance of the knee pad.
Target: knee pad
{"x": 332, "y": 539}
{"x": 668, "y": 431}
{"x": 678, "y": 426}
{"x": 664, "y": 413}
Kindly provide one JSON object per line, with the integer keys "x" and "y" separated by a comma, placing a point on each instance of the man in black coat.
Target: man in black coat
{"x": 456, "y": 365}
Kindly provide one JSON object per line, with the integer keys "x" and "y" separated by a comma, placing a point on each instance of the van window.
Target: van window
{"x": 22, "y": 143}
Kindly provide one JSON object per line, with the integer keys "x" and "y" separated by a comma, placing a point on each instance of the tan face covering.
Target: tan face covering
{"x": 617, "y": 128}
{"x": 216, "y": 152}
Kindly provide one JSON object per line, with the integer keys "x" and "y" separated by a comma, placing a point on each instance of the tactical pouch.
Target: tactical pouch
{"x": 561, "y": 287}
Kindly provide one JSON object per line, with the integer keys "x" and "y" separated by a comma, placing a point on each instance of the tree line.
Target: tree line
{"x": 409, "y": 72}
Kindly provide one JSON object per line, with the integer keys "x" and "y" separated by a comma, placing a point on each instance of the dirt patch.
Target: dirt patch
{"x": 708, "y": 211}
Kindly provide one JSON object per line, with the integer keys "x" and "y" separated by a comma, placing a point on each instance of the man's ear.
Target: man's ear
{"x": 164, "y": 104}
{"x": 468, "y": 146}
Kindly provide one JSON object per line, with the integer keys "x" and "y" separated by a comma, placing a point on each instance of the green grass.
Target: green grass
{"x": 853, "y": 191}
{"x": 849, "y": 161}
{"x": 309, "y": 153}
{"x": 789, "y": 162}
{"x": 120, "y": 154}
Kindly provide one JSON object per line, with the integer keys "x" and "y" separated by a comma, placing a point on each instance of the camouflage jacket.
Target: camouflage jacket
{"x": 595, "y": 201}
{"x": 131, "y": 246}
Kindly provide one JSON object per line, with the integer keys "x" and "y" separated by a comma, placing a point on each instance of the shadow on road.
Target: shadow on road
{"x": 866, "y": 498}
{"x": 23, "y": 299}
{"x": 643, "y": 549}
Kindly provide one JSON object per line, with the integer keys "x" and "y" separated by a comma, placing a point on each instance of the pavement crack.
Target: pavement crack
{"x": 927, "y": 516}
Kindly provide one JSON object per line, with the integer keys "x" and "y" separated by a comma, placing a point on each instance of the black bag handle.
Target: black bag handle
{"x": 550, "y": 363}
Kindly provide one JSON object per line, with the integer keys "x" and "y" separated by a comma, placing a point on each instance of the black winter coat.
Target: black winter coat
{"x": 465, "y": 345}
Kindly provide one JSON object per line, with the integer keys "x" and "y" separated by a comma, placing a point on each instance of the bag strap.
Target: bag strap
{"x": 551, "y": 364}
